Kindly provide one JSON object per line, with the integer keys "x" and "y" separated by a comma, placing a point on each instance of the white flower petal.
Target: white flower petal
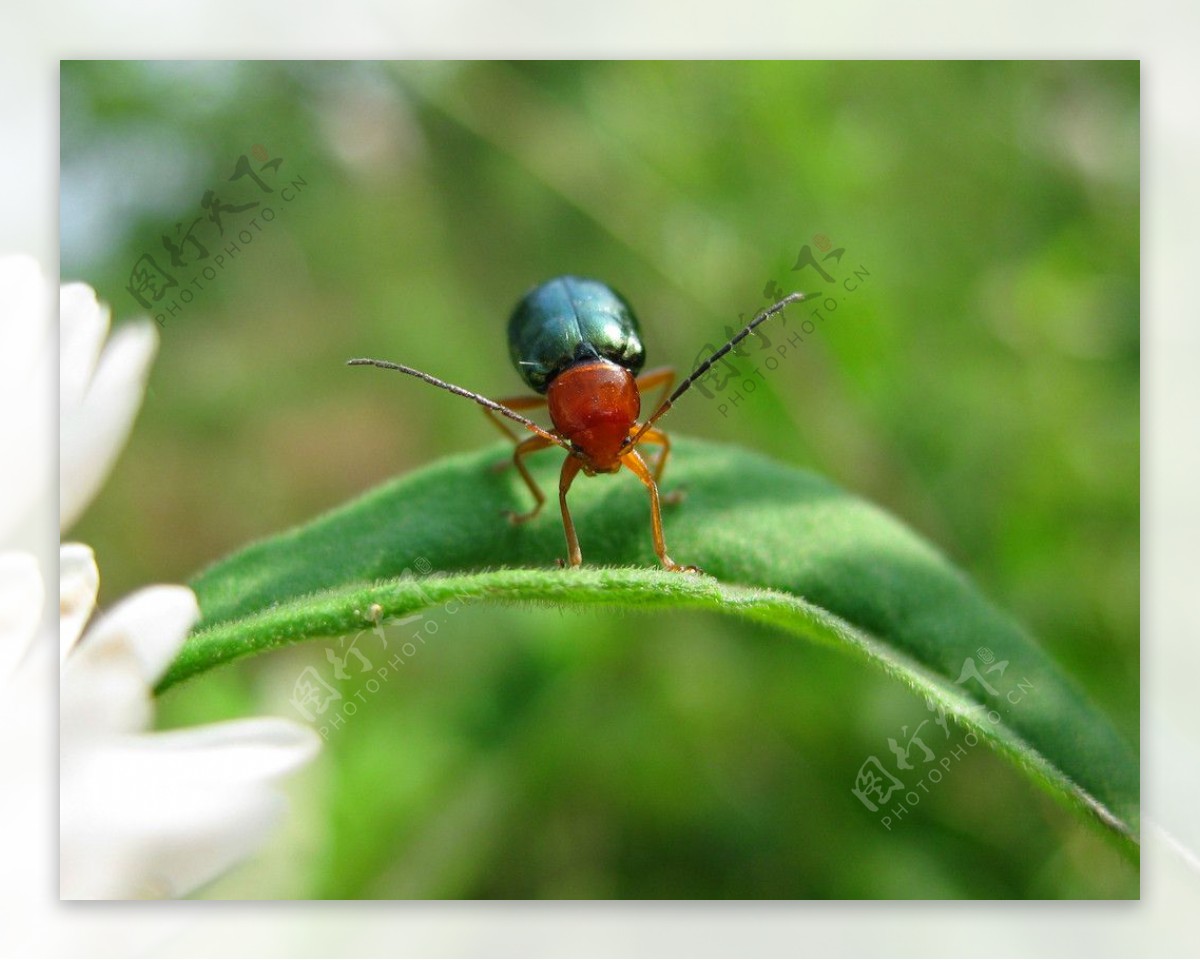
{"x": 152, "y": 623}
{"x": 161, "y": 814}
{"x": 20, "y": 609}
{"x": 83, "y": 325}
{"x": 78, "y": 583}
{"x": 233, "y": 752}
{"x": 94, "y": 428}
{"x": 107, "y": 678}
{"x": 102, "y": 695}
{"x": 128, "y": 830}
{"x": 206, "y": 847}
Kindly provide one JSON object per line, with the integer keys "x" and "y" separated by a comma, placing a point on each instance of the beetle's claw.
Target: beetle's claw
{"x": 516, "y": 519}
{"x": 675, "y": 497}
{"x": 679, "y": 567}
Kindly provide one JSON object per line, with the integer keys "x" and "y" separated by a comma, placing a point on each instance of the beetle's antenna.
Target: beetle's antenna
{"x": 463, "y": 392}
{"x": 704, "y": 367}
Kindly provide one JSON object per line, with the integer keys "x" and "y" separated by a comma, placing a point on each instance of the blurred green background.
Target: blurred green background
{"x": 981, "y": 383}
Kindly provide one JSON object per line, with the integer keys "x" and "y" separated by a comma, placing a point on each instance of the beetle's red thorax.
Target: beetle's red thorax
{"x": 594, "y": 405}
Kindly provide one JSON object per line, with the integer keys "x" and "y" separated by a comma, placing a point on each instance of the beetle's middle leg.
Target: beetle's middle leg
{"x": 523, "y": 449}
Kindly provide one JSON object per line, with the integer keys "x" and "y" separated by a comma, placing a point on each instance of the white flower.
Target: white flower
{"x": 152, "y": 814}
{"x": 100, "y": 391}
{"x": 142, "y": 813}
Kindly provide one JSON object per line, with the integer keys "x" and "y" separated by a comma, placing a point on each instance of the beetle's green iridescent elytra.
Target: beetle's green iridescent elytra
{"x": 568, "y": 320}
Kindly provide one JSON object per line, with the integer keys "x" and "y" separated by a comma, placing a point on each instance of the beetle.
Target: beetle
{"x": 577, "y": 343}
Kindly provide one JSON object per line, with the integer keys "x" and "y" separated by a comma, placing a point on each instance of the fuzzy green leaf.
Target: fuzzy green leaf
{"x": 778, "y": 545}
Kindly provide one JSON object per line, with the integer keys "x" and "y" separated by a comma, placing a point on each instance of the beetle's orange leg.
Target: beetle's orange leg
{"x": 525, "y": 447}
{"x": 634, "y": 462}
{"x": 570, "y": 468}
{"x": 518, "y": 437}
{"x": 656, "y": 436}
{"x": 663, "y": 377}
{"x": 514, "y": 403}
